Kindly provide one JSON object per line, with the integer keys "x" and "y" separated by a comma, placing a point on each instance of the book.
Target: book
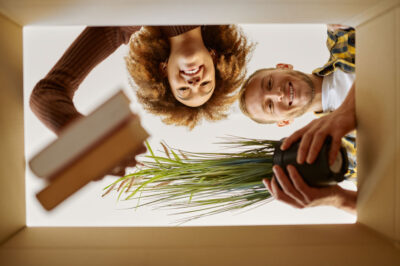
{"x": 87, "y": 149}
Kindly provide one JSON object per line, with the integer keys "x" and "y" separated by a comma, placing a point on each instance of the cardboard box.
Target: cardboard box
{"x": 373, "y": 240}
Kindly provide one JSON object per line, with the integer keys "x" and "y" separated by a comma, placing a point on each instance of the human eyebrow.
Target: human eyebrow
{"x": 268, "y": 107}
{"x": 183, "y": 88}
{"x": 263, "y": 83}
{"x": 264, "y": 106}
{"x": 212, "y": 87}
{"x": 271, "y": 108}
{"x": 204, "y": 83}
{"x": 184, "y": 98}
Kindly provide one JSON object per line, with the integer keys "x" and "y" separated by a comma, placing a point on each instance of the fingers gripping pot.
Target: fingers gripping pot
{"x": 319, "y": 173}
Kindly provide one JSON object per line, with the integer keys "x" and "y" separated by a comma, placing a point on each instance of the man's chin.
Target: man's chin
{"x": 297, "y": 111}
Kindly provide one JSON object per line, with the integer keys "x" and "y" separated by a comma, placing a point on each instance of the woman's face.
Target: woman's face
{"x": 191, "y": 74}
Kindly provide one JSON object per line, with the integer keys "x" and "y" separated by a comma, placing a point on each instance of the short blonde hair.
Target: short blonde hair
{"x": 242, "y": 98}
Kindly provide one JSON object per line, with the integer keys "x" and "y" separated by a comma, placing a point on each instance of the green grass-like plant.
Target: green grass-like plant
{"x": 201, "y": 184}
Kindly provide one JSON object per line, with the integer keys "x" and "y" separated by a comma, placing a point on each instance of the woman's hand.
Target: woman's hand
{"x": 295, "y": 192}
{"x": 129, "y": 161}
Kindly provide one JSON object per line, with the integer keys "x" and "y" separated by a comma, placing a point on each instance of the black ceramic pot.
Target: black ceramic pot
{"x": 319, "y": 173}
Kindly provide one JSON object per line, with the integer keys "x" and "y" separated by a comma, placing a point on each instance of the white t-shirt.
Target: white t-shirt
{"x": 335, "y": 88}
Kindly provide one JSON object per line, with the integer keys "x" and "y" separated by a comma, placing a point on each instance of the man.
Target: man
{"x": 279, "y": 95}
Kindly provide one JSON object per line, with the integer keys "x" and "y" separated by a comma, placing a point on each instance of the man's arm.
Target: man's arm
{"x": 295, "y": 192}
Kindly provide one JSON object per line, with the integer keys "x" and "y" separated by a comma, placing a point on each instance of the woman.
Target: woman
{"x": 192, "y": 75}
{"x": 182, "y": 73}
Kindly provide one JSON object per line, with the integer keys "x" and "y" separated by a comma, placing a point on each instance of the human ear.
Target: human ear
{"x": 284, "y": 66}
{"x": 163, "y": 68}
{"x": 283, "y": 123}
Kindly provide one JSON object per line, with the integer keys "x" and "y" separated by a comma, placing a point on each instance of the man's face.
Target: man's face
{"x": 278, "y": 94}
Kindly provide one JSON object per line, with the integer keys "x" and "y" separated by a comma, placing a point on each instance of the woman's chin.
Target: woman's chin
{"x": 188, "y": 64}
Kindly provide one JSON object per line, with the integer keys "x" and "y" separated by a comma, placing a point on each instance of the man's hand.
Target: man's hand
{"x": 295, "y": 192}
{"x": 337, "y": 124}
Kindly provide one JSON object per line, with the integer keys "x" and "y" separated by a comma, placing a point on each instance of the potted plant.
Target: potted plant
{"x": 202, "y": 184}
{"x": 319, "y": 173}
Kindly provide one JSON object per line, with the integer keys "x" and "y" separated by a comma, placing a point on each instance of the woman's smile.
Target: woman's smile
{"x": 192, "y": 71}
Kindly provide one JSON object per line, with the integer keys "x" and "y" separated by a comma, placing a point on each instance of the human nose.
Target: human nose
{"x": 193, "y": 80}
{"x": 276, "y": 94}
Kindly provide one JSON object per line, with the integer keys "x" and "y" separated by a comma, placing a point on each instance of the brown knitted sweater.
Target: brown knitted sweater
{"x": 51, "y": 99}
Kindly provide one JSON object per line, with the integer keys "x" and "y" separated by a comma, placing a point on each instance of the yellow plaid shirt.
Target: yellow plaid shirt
{"x": 341, "y": 45}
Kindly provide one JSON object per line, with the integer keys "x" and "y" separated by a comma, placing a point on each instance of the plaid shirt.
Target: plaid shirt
{"x": 341, "y": 45}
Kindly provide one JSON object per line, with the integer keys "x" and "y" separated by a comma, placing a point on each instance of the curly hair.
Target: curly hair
{"x": 149, "y": 47}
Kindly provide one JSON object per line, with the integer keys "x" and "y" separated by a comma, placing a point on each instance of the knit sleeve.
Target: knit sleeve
{"x": 51, "y": 98}
{"x": 172, "y": 31}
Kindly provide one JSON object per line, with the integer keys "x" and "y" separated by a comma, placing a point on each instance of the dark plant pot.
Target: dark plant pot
{"x": 319, "y": 173}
